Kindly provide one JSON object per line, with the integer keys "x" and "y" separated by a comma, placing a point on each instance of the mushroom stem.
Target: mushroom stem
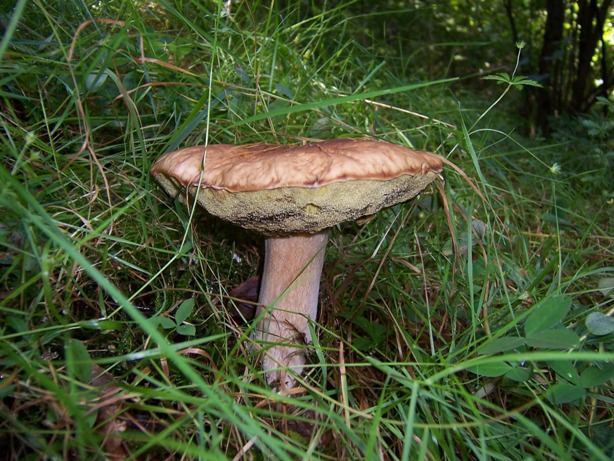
{"x": 288, "y": 300}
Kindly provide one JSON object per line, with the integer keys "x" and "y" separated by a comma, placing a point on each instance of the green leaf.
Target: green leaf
{"x": 284, "y": 90}
{"x": 186, "y": 329}
{"x": 94, "y": 81}
{"x": 524, "y": 81}
{"x": 503, "y": 77}
{"x": 78, "y": 361}
{"x": 363, "y": 344}
{"x": 506, "y": 343}
{"x": 184, "y": 311}
{"x": 374, "y": 330}
{"x": 560, "y": 338}
{"x": 606, "y": 286}
{"x": 518, "y": 81}
{"x": 566, "y": 370}
{"x": 490, "y": 369}
{"x": 547, "y": 314}
{"x": 599, "y": 324}
{"x": 564, "y": 392}
{"x": 595, "y": 376}
{"x": 166, "y": 323}
{"x": 104, "y": 324}
{"x": 519, "y": 374}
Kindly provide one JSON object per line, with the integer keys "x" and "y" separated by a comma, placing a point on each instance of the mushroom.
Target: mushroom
{"x": 292, "y": 195}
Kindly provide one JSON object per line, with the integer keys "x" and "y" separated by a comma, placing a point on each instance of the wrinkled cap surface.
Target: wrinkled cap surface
{"x": 280, "y": 190}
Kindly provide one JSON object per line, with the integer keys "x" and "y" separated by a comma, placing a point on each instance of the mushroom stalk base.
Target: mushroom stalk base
{"x": 288, "y": 300}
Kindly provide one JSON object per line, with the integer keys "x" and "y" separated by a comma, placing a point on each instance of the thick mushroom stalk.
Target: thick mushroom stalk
{"x": 288, "y": 301}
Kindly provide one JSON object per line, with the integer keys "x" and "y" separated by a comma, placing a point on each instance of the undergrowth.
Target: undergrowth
{"x": 473, "y": 323}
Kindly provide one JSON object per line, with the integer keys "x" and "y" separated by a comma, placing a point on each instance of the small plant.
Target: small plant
{"x": 179, "y": 322}
{"x": 544, "y": 330}
{"x": 513, "y": 80}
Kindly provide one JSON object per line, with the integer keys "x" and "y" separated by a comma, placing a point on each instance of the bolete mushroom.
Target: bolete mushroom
{"x": 292, "y": 195}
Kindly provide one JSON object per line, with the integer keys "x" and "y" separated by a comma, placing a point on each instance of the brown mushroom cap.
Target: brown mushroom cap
{"x": 281, "y": 190}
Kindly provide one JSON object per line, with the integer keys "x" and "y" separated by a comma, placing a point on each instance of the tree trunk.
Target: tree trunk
{"x": 573, "y": 34}
{"x": 591, "y": 20}
{"x": 550, "y": 64}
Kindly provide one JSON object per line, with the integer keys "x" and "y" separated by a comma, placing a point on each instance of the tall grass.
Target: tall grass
{"x": 454, "y": 327}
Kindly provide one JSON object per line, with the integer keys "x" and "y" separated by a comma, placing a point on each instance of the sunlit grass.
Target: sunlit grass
{"x": 429, "y": 345}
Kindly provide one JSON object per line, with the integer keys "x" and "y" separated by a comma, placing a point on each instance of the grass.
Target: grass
{"x": 454, "y": 327}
